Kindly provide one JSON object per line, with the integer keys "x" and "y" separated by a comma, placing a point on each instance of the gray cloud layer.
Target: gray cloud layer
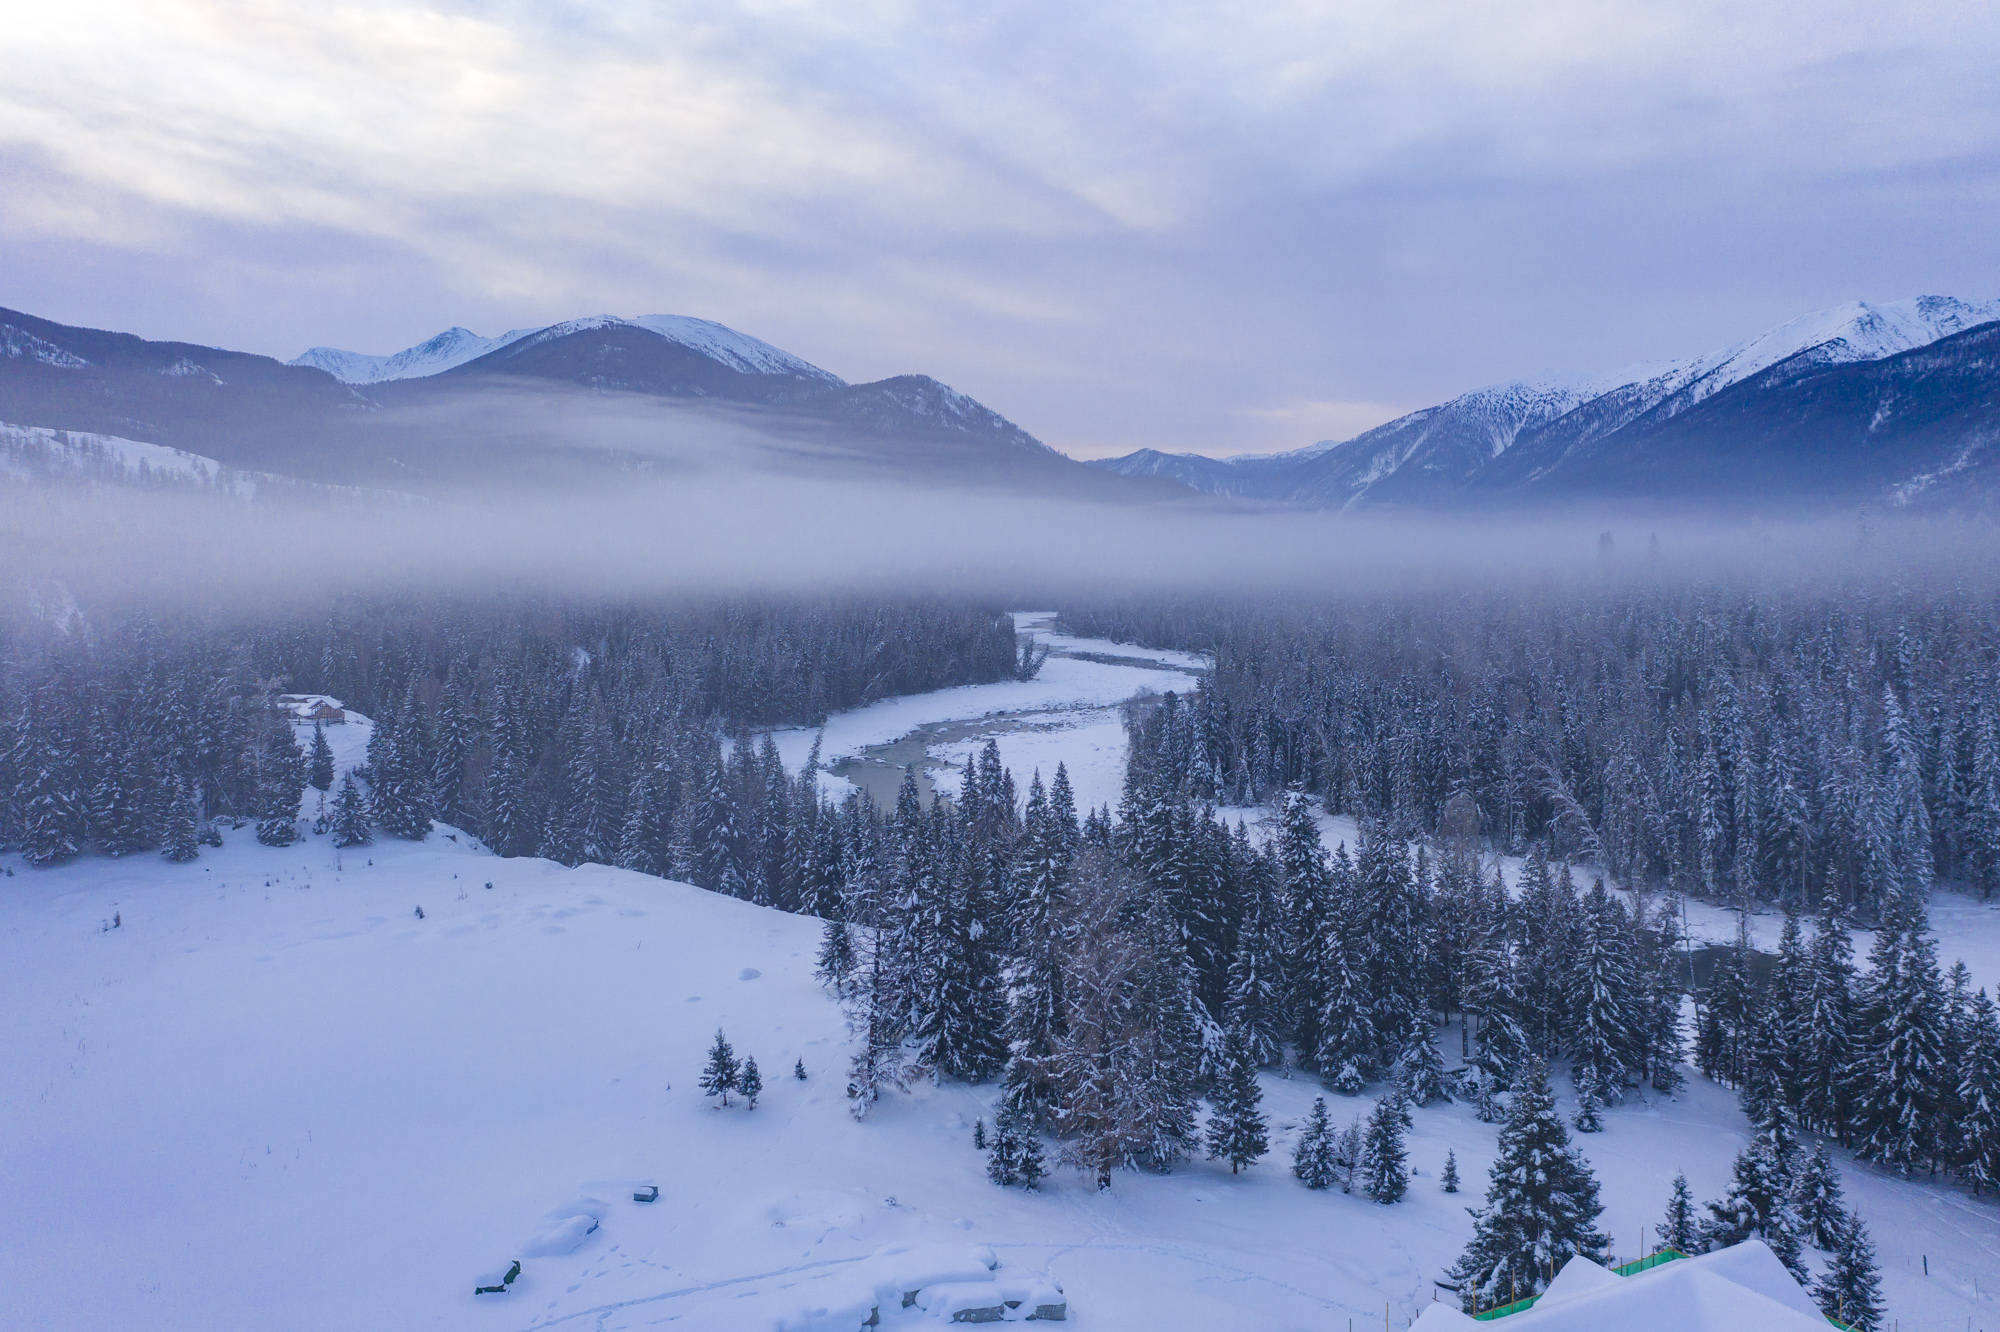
{"x": 1173, "y": 225}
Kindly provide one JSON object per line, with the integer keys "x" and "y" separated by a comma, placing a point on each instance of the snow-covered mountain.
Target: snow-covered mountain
{"x": 1512, "y": 438}
{"x": 459, "y": 346}
{"x": 453, "y": 347}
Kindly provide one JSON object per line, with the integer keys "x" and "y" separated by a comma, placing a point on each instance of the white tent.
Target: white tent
{"x": 1741, "y": 1287}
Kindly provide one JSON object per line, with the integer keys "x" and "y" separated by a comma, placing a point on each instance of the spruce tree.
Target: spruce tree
{"x": 1236, "y": 1130}
{"x": 836, "y": 962}
{"x": 750, "y": 1082}
{"x": 1541, "y": 1203}
{"x": 1680, "y": 1231}
{"x": 180, "y": 841}
{"x": 350, "y": 816}
{"x": 1312, "y": 1158}
{"x": 1420, "y": 1066}
{"x": 1759, "y": 1203}
{"x": 799, "y": 1068}
{"x": 319, "y": 763}
{"x": 1896, "y": 1101}
{"x": 283, "y": 780}
{"x": 1851, "y": 1287}
{"x": 1014, "y": 1148}
{"x": 719, "y": 1076}
{"x": 1385, "y": 1152}
{"x": 1979, "y": 1095}
{"x": 1448, "y": 1179}
{"x": 1816, "y": 1197}
{"x": 1587, "y": 1119}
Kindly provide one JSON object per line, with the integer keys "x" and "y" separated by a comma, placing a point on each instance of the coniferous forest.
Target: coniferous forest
{"x": 1123, "y": 973}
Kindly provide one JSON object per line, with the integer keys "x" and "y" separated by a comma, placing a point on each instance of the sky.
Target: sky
{"x": 1213, "y": 228}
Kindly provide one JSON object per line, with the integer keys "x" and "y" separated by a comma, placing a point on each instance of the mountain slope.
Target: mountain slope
{"x": 1503, "y": 444}
{"x": 589, "y": 398}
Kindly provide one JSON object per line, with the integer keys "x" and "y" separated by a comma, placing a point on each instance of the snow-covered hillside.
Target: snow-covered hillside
{"x": 272, "y": 1094}
{"x": 455, "y": 346}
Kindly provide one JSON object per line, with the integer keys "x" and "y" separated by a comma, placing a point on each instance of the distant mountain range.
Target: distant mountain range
{"x": 659, "y": 393}
{"x": 1895, "y": 404}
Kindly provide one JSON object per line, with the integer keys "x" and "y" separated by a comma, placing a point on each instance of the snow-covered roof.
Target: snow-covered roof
{"x": 1743, "y": 1286}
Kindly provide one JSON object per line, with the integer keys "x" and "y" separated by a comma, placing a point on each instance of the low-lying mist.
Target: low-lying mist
{"x": 644, "y": 536}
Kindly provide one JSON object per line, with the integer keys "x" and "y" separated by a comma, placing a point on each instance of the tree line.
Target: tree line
{"x": 1738, "y": 743}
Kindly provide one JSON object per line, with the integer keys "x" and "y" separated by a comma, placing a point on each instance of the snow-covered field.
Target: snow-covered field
{"x": 273, "y": 1096}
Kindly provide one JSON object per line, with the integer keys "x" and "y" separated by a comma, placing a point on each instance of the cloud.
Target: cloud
{"x": 1165, "y": 224}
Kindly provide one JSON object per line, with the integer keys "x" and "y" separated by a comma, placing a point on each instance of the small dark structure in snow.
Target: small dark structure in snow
{"x": 497, "y": 1285}
{"x": 650, "y": 1193}
{"x": 313, "y": 707}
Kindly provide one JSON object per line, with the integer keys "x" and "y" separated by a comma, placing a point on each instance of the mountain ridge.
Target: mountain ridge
{"x": 1499, "y": 443}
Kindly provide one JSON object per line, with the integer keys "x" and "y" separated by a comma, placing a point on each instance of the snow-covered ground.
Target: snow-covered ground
{"x": 274, "y": 1096}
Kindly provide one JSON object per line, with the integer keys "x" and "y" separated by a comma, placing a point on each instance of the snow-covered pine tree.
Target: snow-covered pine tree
{"x": 1448, "y": 1177}
{"x": 1237, "y": 1132}
{"x": 1979, "y": 1095}
{"x": 1816, "y": 1197}
{"x": 1851, "y": 1287}
{"x": 350, "y": 815}
{"x": 1895, "y": 1102}
{"x": 1386, "y": 1173}
{"x": 720, "y": 1074}
{"x": 836, "y": 961}
{"x": 799, "y": 1068}
{"x": 1254, "y": 1001}
{"x": 1420, "y": 1065}
{"x": 180, "y": 839}
{"x": 874, "y": 1017}
{"x": 1587, "y": 1118}
{"x": 1600, "y": 998}
{"x": 1759, "y": 1203}
{"x": 1541, "y": 1203}
{"x": 750, "y": 1082}
{"x": 1679, "y": 1231}
{"x": 1035, "y": 1016}
{"x": 282, "y": 777}
{"x": 1824, "y": 1056}
{"x": 1312, "y": 1158}
{"x": 400, "y": 781}
{"x": 319, "y": 761}
{"x": 1303, "y": 880}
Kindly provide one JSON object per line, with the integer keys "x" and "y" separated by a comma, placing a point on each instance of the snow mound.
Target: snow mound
{"x": 565, "y": 1229}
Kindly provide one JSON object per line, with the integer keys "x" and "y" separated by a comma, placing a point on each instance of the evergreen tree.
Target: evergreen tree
{"x": 283, "y": 780}
{"x": 1448, "y": 1179}
{"x": 1679, "y": 1231}
{"x": 1312, "y": 1158}
{"x": 1236, "y": 1130}
{"x": 750, "y": 1082}
{"x": 799, "y": 1068}
{"x": 836, "y": 962}
{"x": 1816, "y": 1199}
{"x": 1420, "y": 1066}
{"x": 1759, "y": 1202}
{"x": 1896, "y": 1098}
{"x": 1385, "y": 1152}
{"x": 181, "y": 839}
{"x": 1824, "y": 1055}
{"x": 1851, "y": 1288}
{"x": 1014, "y": 1149}
{"x": 1979, "y": 1095}
{"x": 319, "y": 765}
{"x": 720, "y": 1074}
{"x": 873, "y": 1016}
{"x": 1587, "y": 1119}
{"x": 1541, "y": 1204}
{"x": 350, "y": 816}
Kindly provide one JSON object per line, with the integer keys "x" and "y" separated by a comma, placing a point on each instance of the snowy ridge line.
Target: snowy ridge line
{"x": 458, "y": 346}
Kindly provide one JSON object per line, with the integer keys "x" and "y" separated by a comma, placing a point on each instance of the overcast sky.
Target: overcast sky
{"x": 1222, "y": 227}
